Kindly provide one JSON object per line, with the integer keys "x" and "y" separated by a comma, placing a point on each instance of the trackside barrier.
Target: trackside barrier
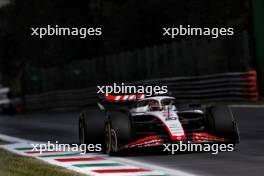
{"x": 158, "y": 61}
{"x": 236, "y": 86}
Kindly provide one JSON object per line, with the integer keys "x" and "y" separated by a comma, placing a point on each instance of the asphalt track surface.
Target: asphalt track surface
{"x": 248, "y": 159}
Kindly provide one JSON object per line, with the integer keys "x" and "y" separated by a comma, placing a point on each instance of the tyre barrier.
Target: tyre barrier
{"x": 235, "y": 86}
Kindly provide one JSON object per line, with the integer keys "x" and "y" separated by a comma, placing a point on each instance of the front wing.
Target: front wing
{"x": 156, "y": 140}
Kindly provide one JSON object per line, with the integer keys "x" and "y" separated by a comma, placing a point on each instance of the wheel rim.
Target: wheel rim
{"x": 108, "y": 138}
{"x": 114, "y": 141}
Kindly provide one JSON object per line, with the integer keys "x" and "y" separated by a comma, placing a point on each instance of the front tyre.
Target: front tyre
{"x": 220, "y": 121}
{"x": 91, "y": 127}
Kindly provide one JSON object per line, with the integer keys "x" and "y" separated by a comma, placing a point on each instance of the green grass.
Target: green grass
{"x": 13, "y": 165}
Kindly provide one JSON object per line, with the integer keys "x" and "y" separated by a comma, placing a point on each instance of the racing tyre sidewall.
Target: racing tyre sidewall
{"x": 91, "y": 127}
{"x": 220, "y": 122}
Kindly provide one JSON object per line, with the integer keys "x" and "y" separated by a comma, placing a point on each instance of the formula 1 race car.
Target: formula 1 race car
{"x": 133, "y": 121}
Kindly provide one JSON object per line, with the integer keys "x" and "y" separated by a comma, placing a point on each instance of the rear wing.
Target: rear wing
{"x": 124, "y": 98}
{"x": 112, "y": 102}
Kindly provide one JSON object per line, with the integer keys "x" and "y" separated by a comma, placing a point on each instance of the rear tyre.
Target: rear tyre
{"x": 220, "y": 121}
{"x": 91, "y": 127}
{"x": 118, "y": 132}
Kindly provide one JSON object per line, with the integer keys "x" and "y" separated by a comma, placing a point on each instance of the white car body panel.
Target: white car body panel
{"x": 169, "y": 118}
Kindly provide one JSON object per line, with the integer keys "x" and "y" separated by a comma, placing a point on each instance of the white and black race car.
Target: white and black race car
{"x": 133, "y": 121}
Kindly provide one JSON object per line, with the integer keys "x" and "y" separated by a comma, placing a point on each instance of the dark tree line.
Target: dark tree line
{"x": 127, "y": 25}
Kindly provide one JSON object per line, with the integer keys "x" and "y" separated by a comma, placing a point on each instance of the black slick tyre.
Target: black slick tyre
{"x": 220, "y": 122}
{"x": 91, "y": 127}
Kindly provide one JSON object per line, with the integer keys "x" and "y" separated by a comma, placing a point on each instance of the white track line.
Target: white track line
{"x": 12, "y": 139}
{"x": 153, "y": 167}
